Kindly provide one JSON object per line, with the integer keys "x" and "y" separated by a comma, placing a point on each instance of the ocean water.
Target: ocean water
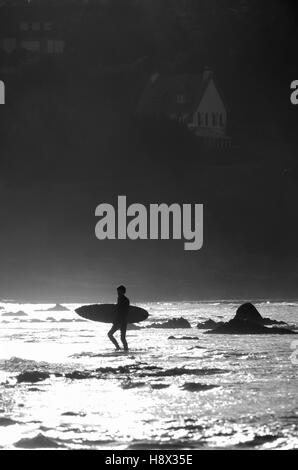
{"x": 197, "y": 392}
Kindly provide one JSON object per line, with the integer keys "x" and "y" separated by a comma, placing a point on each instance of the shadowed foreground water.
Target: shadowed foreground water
{"x": 203, "y": 391}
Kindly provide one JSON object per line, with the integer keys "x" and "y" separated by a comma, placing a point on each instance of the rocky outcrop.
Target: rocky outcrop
{"x": 58, "y": 308}
{"x": 7, "y": 422}
{"x": 172, "y": 324}
{"x": 246, "y": 312}
{"x": 241, "y": 327}
{"x": 38, "y": 442}
{"x": 20, "y": 313}
{"x": 183, "y": 338}
{"x": 208, "y": 324}
{"x": 32, "y": 376}
{"x": 197, "y": 387}
{"x": 133, "y": 327}
{"x": 249, "y": 321}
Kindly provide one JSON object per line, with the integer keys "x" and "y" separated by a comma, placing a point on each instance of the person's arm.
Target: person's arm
{"x": 121, "y": 306}
{"x": 124, "y": 306}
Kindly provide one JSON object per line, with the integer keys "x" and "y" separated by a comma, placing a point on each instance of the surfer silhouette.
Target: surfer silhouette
{"x": 121, "y": 321}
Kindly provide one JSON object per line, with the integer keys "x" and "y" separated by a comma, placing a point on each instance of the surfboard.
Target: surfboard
{"x": 107, "y": 313}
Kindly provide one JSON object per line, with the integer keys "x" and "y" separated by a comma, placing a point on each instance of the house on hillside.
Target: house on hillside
{"x": 194, "y": 100}
{"x": 33, "y": 29}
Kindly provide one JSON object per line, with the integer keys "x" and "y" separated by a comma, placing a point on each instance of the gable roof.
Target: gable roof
{"x": 160, "y": 94}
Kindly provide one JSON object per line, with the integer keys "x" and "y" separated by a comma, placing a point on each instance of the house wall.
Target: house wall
{"x": 213, "y": 107}
{"x": 41, "y": 45}
{"x": 8, "y": 44}
{"x": 35, "y": 28}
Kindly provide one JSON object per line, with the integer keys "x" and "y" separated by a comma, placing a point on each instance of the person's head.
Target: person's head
{"x": 121, "y": 290}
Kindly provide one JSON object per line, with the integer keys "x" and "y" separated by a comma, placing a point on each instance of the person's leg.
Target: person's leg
{"x": 113, "y": 330}
{"x": 123, "y": 336}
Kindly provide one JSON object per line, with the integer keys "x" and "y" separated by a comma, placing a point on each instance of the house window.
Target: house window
{"x": 180, "y": 99}
{"x": 214, "y": 119}
{"x": 182, "y": 118}
{"x": 47, "y": 26}
{"x": 221, "y": 123}
{"x": 9, "y": 44}
{"x": 55, "y": 46}
{"x": 206, "y": 120}
{"x": 199, "y": 119}
{"x": 32, "y": 46}
{"x": 36, "y": 26}
{"x": 24, "y": 26}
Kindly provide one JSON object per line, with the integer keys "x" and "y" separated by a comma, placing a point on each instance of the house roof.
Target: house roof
{"x": 160, "y": 94}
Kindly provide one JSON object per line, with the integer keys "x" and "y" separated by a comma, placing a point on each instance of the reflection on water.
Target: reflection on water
{"x": 191, "y": 391}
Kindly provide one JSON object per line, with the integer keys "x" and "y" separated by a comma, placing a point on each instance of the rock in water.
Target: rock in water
{"x": 198, "y": 387}
{"x": 38, "y": 442}
{"x": 248, "y": 312}
{"x": 7, "y": 421}
{"x": 184, "y": 338}
{"x": 32, "y": 376}
{"x": 248, "y": 321}
{"x": 208, "y": 324}
{"x": 173, "y": 323}
{"x": 242, "y": 327}
{"x": 133, "y": 327}
{"x": 58, "y": 308}
{"x": 20, "y": 313}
